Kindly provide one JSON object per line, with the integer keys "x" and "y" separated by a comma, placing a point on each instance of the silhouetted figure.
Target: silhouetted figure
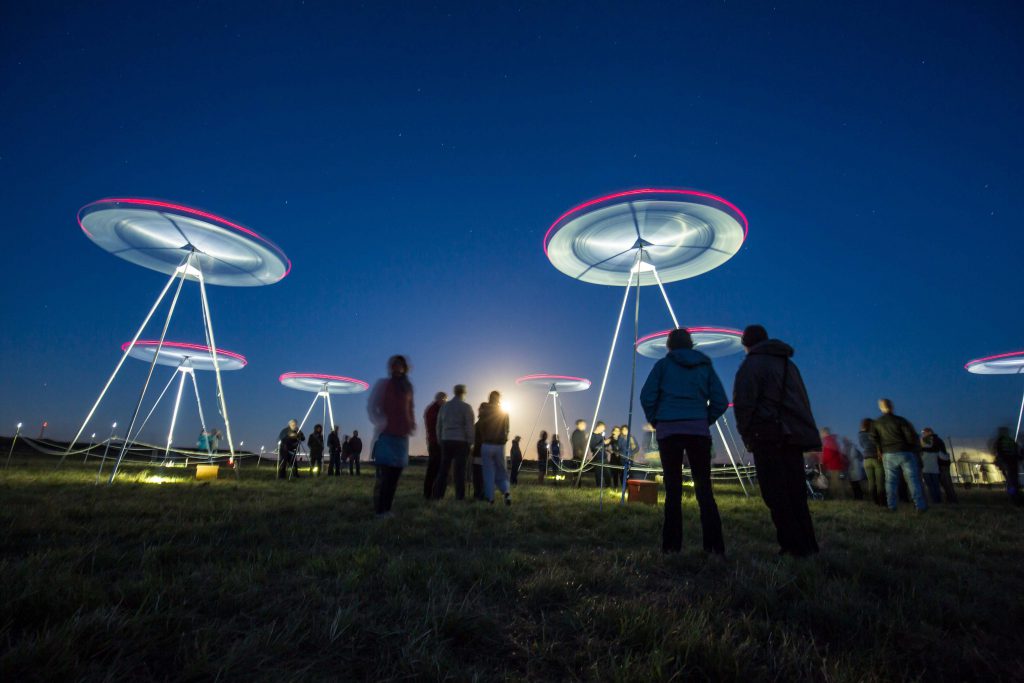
{"x": 1008, "y": 459}
{"x": 542, "y": 457}
{"x": 455, "y": 430}
{"x": 682, "y": 398}
{"x": 316, "y": 450}
{"x": 334, "y": 453}
{"x": 433, "y": 443}
{"x": 355, "y": 453}
{"x": 390, "y": 409}
{"x": 492, "y": 427}
{"x": 931, "y": 443}
{"x": 873, "y": 469}
{"x": 287, "y": 450}
{"x": 516, "y": 458}
{"x": 899, "y": 444}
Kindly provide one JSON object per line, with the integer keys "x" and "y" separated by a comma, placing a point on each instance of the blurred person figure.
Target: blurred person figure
{"x": 854, "y": 468}
{"x": 214, "y": 441}
{"x": 682, "y": 398}
{"x": 516, "y": 458}
{"x": 1007, "y": 454}
{"x": 556, "y": 457}
{"x": 334, "y": 453}
{"x": 455, "y": 431}
{"x": 391, "y": 411}
{"x": 598, "y": 454}
{"x": 433, "y": 443}
{"x": 774, "y": 419}
{"x": 203, "y": 442}
{"x": 355, "y": 453}
{"x": 614, "y": 460}
{"x": 578, "y": 441}
{"x": 316, "y": 450}
{"x": 288, "y": 449}
{"x": 542, "y": 457}
{"x": 833, "y": 462}
{"x": 899, "y": 444}
{"x": 492, "y": 428}
{"x": 874, "y": 472}
{"x": 931, "y": 443}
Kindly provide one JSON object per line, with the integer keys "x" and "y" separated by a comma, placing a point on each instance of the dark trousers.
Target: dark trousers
{"x": 697, "y": 450}
{"x": 384, "y": 488}
{"x": 284, "y": 462}
{"x": 452, "y": 453}
{"x": 433, "y": 465}
{"x": 780, "y": 474}
{"x": 334, "y": 464}
{"x": 353, "y": 463}
{"x": 946, "y": 481}
{"x": 513, "y": 476}
{"x": 316, "y": 462}
{"x": 478, "y": 480}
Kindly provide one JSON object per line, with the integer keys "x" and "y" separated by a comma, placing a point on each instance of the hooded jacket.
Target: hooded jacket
{"x": 683, "y": 386}
{"x": 759, "y": 399}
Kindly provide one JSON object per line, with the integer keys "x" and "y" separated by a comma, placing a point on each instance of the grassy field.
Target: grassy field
{"x": 265, "y": 580}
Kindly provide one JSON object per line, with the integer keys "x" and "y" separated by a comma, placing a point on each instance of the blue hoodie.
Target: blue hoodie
{"x": 683, "y": 386}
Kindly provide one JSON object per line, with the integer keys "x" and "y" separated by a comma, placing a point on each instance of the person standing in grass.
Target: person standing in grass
{"x": 288, "y": 448}
{"x": 615, "y": 461}
{"x": 1007, "y": 454}
{"x": 391, "y": 411}
{"x": 492, "y": 428}
{"x": 873, "y": 470}
{"x": 455, "y": 430}
{"x": 433, "y": 444}
{"x": 542, "y": 457}
{"x": 334, "y": 453}
{"x": 598, "y": 452}
{"x": 578, "y": 441}
{"x": 556, "y": 457}
{"x": 316, "y": 450}
{"x": 774, "y": 419}
{"x": 832, "y": 462}
{"x": 931, "y": 443}
{"x": 682, "y": 398}
{"x": 516, "y": 458}
{"x": 355, "y": 452}
{"x": 855, "y": 467}
{"x": 899, "y": 444}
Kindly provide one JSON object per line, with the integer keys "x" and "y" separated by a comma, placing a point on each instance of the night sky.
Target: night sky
{"x": 408, "y": 157}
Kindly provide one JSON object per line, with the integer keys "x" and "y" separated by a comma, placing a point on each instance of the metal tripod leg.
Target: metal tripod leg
{"x": 728, "y": 451}
{"x": 124, "y": 357}
{"x": 208, "y": 323}
{"x": 174, "y": 415}
{"x": 156, "y": 403}
{"x": 202, "y": 419}
{"x": 152, "y": 366}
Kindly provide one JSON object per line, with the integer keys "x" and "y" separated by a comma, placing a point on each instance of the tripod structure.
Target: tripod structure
{"x": 640, "y": 238}
{"x": 187, "y": 244}
{"x": 323, "y": 386}
{"x": 554, "y": 384}
{"x": 1002, "y": 364}
{"x": 186, "y": 359}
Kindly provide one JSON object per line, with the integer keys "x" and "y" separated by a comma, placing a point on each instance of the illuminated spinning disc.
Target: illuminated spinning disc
{"x": 159, "y": 235}
{"x": 561, "y": 383}
{"x": 311, "y": 381}
{"x": 174, "y": 353}
{"x": 1002, "y": 364}
{"x": 714, "y": 342}
{"x": 683, "y": 233}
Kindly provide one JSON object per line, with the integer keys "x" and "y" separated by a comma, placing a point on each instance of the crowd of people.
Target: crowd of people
{"x": 341, "y": 450}
{"x": 681, "y": 398}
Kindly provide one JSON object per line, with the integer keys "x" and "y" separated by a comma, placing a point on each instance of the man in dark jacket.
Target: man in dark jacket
{"x": 773, "y": 416}
{"x": 578, "y": 442}
{"x": 492, "y": 430}
{"x": 287, "y": 451}
{"x": 334, "y": 452}
{"x": 598, "y": 452}
{"x": 433, "y": 445}
{"x": 899, "y": 445}
{"x": 355, "y": 451}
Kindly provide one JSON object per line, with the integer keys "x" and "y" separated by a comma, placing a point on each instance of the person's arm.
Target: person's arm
{"x": 717, "y": 402}
{"x": 439, "y": 425}
{"x": 651, "y": 392}
{"x": 744, "y": 399}
{"x": 469, "y": 421}
{"x": 911, "y": 436}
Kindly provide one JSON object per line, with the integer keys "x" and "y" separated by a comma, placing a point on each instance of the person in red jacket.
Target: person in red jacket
{"x": 433, "y": 444}
{"x": 833, "y": 462}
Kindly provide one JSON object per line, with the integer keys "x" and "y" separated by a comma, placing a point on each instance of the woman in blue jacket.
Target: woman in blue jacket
{"x": 682, "y": 398}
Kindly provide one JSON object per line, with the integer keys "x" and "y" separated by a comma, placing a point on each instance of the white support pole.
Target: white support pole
{"x": 667, "y": 302}
{"x": 17, "y": 433}
{"x": 728, "y": 451}
{"x": 554, "y": 409}
{"x": 330, "y": 413}
{"x": 303, "y": 423}
{"x": 170, "y": 381}
{"x": 124, "y": 357}
{"x": 1016, "y": 436}
{"x": 208, "y": 323}
{"x": 202, "y": 419}
{"x": 152, "y": 366}
{"x": 632, "y": 377}
{"x": 607, "y": 368}
{"x": 174, "y": 415}
{"x": 533, "y": 430}
{"x": 105, "y": 449}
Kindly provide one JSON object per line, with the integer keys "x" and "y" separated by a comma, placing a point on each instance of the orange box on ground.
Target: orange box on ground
{"x": 640, "y": 491}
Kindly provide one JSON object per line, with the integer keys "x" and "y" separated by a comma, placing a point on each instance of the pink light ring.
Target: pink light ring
{"x": 978, "y": 361}
{"x": 186, "y": 211}
{"x": 189, "y": 346}
{"x": 328, "y": 378}
{"x": 691, "y": 330}
{"x": 646, "y": 191}
{"x": 568, "y": 378}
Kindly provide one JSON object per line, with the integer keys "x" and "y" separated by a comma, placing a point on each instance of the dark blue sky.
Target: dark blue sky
{"x": 409, "y": 158}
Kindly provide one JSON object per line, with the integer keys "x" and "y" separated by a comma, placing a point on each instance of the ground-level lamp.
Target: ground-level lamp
{"x": 17, "y": 432}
